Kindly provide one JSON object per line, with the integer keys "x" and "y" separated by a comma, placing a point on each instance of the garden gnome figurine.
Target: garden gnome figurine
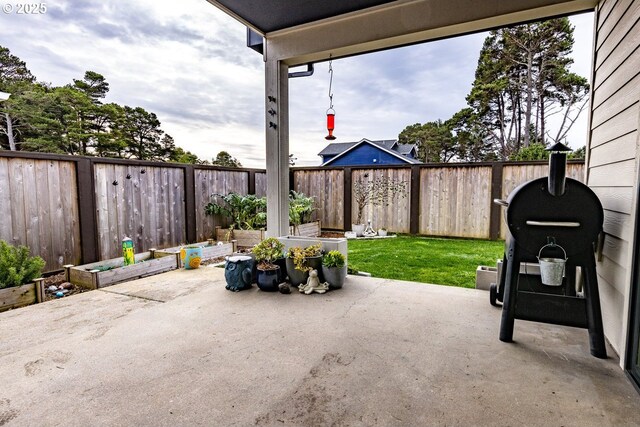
{"x": 313, "y": 284}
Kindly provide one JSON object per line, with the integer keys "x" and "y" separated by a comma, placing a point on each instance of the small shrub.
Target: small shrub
{"x": 333, "y": 259}
{"x": 299, "y": 255}
{"x": 267, "y": 252}
{"x": 17, "y": 267}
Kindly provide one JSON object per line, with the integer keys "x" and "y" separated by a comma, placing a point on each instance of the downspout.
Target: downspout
{"x": 307, "y": 73}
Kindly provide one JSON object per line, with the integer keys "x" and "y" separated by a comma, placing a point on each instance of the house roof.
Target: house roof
{"x": 405, "y": 149}
{"x": 336, "y": 148}
{"x": 341, "y": 148}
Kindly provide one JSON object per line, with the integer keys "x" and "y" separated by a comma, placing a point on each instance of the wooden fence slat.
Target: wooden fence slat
{"x": 31, "y": 204}
{"x": 56, "y": 215}
{"x": 43, "y": 212}
{"x": 6, "y": 232}
{"x": 71, "y": 213}
{"x": 18, "y": 225}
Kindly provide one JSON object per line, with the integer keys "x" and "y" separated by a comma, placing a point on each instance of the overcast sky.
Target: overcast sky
{"x": 188, "y": 62}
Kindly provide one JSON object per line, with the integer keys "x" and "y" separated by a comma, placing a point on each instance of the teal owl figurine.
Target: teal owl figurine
{"x": 238, "y": 272}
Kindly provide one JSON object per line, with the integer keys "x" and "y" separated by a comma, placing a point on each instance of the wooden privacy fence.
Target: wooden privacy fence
{"x": 453, "y": 200}
{"x": 73, "y": 210}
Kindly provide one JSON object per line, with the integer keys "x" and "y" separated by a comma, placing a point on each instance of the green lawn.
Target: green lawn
{"x": 420, "y": 259}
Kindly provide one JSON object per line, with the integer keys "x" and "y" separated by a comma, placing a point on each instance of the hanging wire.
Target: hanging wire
{"x": 330, "y": 84}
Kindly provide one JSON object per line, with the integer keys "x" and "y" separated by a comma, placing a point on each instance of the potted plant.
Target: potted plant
{"x": 191, "y": 256}
{"x": 267, "y": 253}
{"x": 382, "y": 231}
{"x": 301, "y": 260}
{"x": 17, "y": 272}
{"x": 334, "y": 269}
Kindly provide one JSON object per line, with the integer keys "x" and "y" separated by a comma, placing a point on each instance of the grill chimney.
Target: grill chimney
{"x": 557, "y": 168}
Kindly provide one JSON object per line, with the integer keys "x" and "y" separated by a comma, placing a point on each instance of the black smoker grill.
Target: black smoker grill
{"x": 563, "y": 214}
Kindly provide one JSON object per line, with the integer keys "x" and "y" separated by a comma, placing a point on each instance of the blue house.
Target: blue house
{"x": 367, "y": 152}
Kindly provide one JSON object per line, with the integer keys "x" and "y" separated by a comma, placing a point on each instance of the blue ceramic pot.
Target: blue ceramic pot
{"x": 268, "y": 279}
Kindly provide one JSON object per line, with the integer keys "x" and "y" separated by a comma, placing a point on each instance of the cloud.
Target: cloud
{"x": 188, "y": 63}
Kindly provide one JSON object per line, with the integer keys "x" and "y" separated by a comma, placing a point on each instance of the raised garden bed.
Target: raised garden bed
{"x": 20, "y": 296}
{"x": 210, "y": 249}
{"x": 250, "y": 238}
{"x": 106, "y": 273}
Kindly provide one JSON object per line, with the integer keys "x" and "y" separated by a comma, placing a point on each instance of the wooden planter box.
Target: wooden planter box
{"x": 310, "y": 229}
{"x": 210, "y": 249}
{"x": 147, "y": 264}
{"x": 19, "y": 296}
{"x": 248, "y": 238}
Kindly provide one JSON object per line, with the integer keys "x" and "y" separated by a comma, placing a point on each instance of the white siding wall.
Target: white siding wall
{"x": 613, "y": 154}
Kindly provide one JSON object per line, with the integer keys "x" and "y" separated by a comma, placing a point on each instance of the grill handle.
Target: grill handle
{"x": 501, "y": 202}
{"x": 569, "y": 224}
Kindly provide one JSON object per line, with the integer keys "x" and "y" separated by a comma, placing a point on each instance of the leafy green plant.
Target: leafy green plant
{"x": 16, "y": 266}
{"x": 333, "y": 259}
{"x": 300, "y": 208}
{"x": 245, "y": 212}
{"x": 299, "y": 255}
{"x": 267, "y": 252}
{"x": 250, "y": 212}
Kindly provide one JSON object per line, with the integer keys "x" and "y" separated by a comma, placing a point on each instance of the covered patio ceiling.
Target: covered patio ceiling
{"x": 266, "y": 16}
{"x": 299, "y": 32}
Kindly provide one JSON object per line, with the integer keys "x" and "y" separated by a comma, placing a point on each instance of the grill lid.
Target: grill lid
{"x": 574, "y": 219}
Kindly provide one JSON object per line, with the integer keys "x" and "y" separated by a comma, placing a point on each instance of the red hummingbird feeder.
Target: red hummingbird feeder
{"x": 331, "y": 116}
{"x": 331, "y": 113}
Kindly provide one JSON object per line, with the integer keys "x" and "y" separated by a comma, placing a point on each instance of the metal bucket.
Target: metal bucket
{"x": 552, "y": 269}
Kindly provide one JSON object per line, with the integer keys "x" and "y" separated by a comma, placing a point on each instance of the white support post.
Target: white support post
{"x": 277, "y": 130}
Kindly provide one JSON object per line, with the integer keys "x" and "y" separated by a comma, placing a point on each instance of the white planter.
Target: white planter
{"x": 382, "y": 232}
{"x": 358, "y": 229}
{"x": 327, "y": 243}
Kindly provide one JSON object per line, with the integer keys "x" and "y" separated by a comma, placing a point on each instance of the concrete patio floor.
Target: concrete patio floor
{"x": 179, "y": 350}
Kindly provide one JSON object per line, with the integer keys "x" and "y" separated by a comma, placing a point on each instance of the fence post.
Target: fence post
{"x": 346, "y": 217}
{"x": 252, "y": 182}
{"x": 292, "y": 186}
{"x": 190, "y": 203}
{"x": 87, "y": 210}
{"x": 414, "y": 202}
{"x": 496, "y": 193}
